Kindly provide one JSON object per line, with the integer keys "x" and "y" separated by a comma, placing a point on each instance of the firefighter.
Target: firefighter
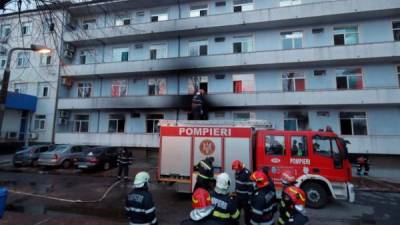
{"x": 363, "y": 162}
{"x": 271, "y": 183}
{"x": 297, "y": 201}
{"x": 198, "y": 104}
{"x": 285, "y": 206}
{"x": 205, "y": 178}
{"x": 124, "y": 161}
{"x": 225, "y": 211}
{"x": 139, "y": 203}
{"x": 243, "y": 188}
{"x": 202, "y": 209}
{"x": 263, "y": 200}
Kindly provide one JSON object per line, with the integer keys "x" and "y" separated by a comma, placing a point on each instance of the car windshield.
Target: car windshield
{"x": 58, "y": 148}
{"x": 97, "y": 151}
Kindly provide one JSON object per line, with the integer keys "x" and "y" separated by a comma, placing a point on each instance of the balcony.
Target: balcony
{"x": 386, "y": 52}
{"x": 109, "y": 139}
{"x": 299, "y": 15}
{"x": 252, "y": 100}
{"x": 374, "y": 144}
{"x": 129, "y": 102}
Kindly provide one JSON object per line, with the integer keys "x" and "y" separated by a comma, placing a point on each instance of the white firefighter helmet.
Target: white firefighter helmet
{"x": 223, "y": 183}
{"x": 141, "y": 178}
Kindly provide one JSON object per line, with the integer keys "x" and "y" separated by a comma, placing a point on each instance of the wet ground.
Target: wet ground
{"x": 370, "y": 208}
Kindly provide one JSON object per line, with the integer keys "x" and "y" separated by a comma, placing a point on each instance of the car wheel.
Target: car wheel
{"x": 66, "y": 164}
{"x": 317, "y": 197}
{"x": 106, "y": 166}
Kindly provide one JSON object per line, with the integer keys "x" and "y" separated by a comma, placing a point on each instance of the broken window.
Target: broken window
{"x": 296, "y": 121}
{"x": 345, "y": 35}
{"x": 349, "y": 79}
{"x": 353, "y": 123}
{"x": 293, "y": 81}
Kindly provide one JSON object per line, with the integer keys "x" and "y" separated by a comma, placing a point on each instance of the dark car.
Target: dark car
{"x": 28, "y": 156}
{"x": 98, "y": 157}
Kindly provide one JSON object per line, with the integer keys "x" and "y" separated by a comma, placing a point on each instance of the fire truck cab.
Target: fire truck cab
{"x": 318, "y": 159}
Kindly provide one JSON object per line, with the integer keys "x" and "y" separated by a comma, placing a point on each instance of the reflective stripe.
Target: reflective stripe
{"x": 287, "y": 214}
{"x": 203, "y": 164}
{"x": 262, "y": 223}
{"x": 236, "y": 215}
{"x": 132, "y": 209}
{"x": 221, "y": 215}
{"x": 256, "y": 211}
{"x": 205, "y": 177}
{"x": 152, "y": 222}
{"x": 245, "y": 183}
{"x": 259, "y": 212}
{"x": 244, "y": 192}
{"x": 280, "y": 221}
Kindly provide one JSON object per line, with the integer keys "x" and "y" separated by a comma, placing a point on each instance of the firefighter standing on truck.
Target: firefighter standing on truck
{"x": 225, "y": 211}
{"x": 297, "y": 202}
{"x": 124, "y": 161}
{"x": 139, "y": 203}
{"x": 286, "y": 209}
{"x": 205, "y": 178}
{"x": 263, "y": 201}
{"x": 243, "y": 188}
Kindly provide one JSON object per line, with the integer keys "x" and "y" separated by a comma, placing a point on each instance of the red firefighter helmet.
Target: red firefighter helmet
{"x": 201, "y": 199}
{"x": 260, "y": 178}
{"x": 237, "y": 165}
{"x": 297, "y": 196}
{"x": 287, "y": 177}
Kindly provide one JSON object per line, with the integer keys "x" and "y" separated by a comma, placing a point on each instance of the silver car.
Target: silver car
{"x": 61, "y": 155}
{"x": 28, "y": 156}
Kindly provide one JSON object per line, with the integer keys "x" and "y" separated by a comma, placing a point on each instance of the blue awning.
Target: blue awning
{"x": 21, "y": 101}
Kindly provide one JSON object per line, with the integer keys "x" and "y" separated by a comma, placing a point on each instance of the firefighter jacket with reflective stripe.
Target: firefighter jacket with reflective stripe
{"x": 125, "y": 158}
{"x": 205, "y": 168}
{"x": 286, "y": 209}
{"x": 140, "y": 207}
{"x": 263, "y": 205}
{"x": 225, "y": 211}
{"x": 297, "y": 219}
{"x": 244, "y": 186}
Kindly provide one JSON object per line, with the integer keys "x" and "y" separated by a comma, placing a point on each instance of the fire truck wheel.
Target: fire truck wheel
{"x": 317, "y": 197}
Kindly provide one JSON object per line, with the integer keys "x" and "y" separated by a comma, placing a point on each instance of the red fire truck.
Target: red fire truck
{"x": 318, "y": 159}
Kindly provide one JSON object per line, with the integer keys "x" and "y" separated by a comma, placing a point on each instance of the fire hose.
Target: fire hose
{"x": 67, "y": 200}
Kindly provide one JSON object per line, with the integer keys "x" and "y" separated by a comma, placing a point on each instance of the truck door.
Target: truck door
{"x": 299, "y": 154}
{"x": 327, "y": 158}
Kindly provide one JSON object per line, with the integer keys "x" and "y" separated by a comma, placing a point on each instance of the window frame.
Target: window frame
{"x": 396, "y": 30}
{"x": 293, "y": 39}
{"x": 4, "y": 28}
{"x": 89, "y": 56}
{"x": 26, "y": 28}
{"x": 286, "y": 76}
{"x": 80, "y": 122}
{"x": 155, "y": 129}
{"x": 361, "y": 74}
{"x": 23, "y": 59}
{"x": 243, "y": 5}
{"x": 252, "y": 115}
{"x": 194, "y": 46}
{"x": 249, "y": 83}
{"x": 116, "y": 119}
{"x": 120, "y": 19}
{"x": 39, "y": 123}
{"x": 284, "y": 147}
{"x": 90, "y": 23}
{"x": 41, "y": 87}
{"x": 352, "y": 123}
{"x": 242, "y": 40}
{"x": 21, "y": 88}
{"x": 46, "y": 59}
{"x": 157, "y": 47}
{"x": 157, "y": 91}
{"x": 195, "y": 82}
{"x": 83, "y": 87}
{"x": 163, "y": 13}
{"x": 3, "y": 62}
{"x": 121, "y": 57}
{"x": 344, "y": 27}
{"x": 305, "y": 144}
{"x": 119, "y": 87}
{"x": 197, "y": 12}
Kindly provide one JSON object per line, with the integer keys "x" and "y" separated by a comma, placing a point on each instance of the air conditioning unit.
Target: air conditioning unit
{"x": 67, "y": 82}
{"x": 11, "y": 135}
{"x": 63, "y": 114}
{"x": 62, "y": 121}
{"x": 33, "y": 136}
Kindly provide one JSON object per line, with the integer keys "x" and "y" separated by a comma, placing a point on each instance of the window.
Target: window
{"x": 45, "y": 59}
{"x": 220, "y": 4}
{"x": 198, "y": 10}
{"x": 120, "y": 54}
{"x": 88, "y": 24}
{"x": 81, "y": 123}
{"x": 275, "y": 145}
{"x": 198, "y": 48}
{"x": 242, "y": 44}
{"x": 23, "y": 59}
{"x": 159, "y": 15}
{"x": 86, "y": 56}
{"x": 295, "y": 121}
{"x": 398, "y": 74}
{"x": 2, "y": 63}
{"x": 40, "y": 122}
{"x": 283, "y": 3}
{"x": 292, "y": 39}
{"x": 345, "y": 35}
{"x": 243, "y": 83}
{"x": 44, "y": 89}
{"x": 48, "y": 25}
{"x": 242, "y": 5}
{"x": 196, "y": 83}
{"x": 21, "y": 88}
{"x": 5, "y": 30}
{"x": 157, "y": 86}
{"x": 353, "y": 123}
{"x": 396, "y": 30}
{"x": 158, "y": 51}
{"x": 319, "y": 73}
{"x": 299, "y": 146}
{"x": 243, "y": 116}
{"x": 122, "y": 20}
{"x": 152, "y": 122}
{"x": 26, "y": 28}
{"x": 349, "y": 79}
{"x": 293, "y": 81}
{"x": 116, "y": 123}
{"x": 119, "y": 88}
{"x": 323, "y": 145}
{"x": 84, "y": 90}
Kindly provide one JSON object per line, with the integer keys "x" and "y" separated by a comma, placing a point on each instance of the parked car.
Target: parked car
{"x": 98, "y": 157}
{"x": 28, "y": 156}
{"x": 61, "y": 155}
